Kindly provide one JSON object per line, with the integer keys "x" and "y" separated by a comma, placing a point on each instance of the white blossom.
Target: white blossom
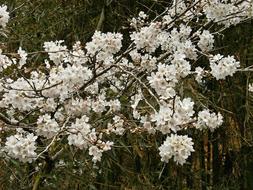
{"x": 177, "y": 146}
{"x": 47, "y": 127}
{"x": 79, "y": 133}
{"x": 117, "y": 126}
{"x": 4, "y": 61}
{"x": 77, "y": 107}
{"x": 21, "y": 146}
{"x": 218, "y": 12}
{"x": 104, "y": 45}
{"x": 100, "y": 104}
{"x": 23, "y": 57}
{"x": 173, "y": 116}
{"x": 206, "y": 41}
{"x": 114, "y": 105}
{"x": 250, "y": 87}
{"x": 56, "y": 51}
{"x": 146, "y": 38}
{"x": 4, "y": 16}
{"x": 147, "y": 125}
{"x": 221, "y": 67}
{"x": 96, "y": 153}
{"x": 199, "y": 74}
{"x": 208, "y": 120}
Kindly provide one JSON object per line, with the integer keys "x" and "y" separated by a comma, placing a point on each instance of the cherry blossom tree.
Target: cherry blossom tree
{"x": 89, "y": 95}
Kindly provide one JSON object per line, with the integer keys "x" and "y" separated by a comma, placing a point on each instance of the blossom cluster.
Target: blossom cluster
{"x": 173, "y": 116}
{"x": 177, "y": 146}
{"x": 250, "y": 88}
{"x": 104, "y": 45}
{"x": 21, "y": 146}
{"x": 89, "y": 92}
{"x": 4, "y": 16}
{"x": 221, "y": 67}
{"x": 209, "y": 120}
{"x": 47, "y": 127}
{"x": 4, "y": 61}
{"x": 222, "y": 11}
{"x": 83, "y": 136}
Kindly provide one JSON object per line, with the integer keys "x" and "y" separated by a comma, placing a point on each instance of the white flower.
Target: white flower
{"x": 182, "y": 66}
{"x": 177, "y": 146}
{"x": 21, "y": 146}
{"x": 50, "y": 105}
{"x": 47, "y": 127}
{"x": 96, "y": 153}
{"x": 117, "y": 126}
{"x": 219, "y": 11}
{"x": 172, "y": 116}
{"x": 146, "y": 38}
{"x": 23, "y": 57}
{"x": 99, "y": 105}
{"x": 199, "y": 74}
{"x": 209, "y": 120}
{"x": 147, "y": 125}
{"x": 251, "y": 87}
{"x": 79, "y": 133}
{"x": 4, "y": 16}
{"x": 167, "y": 19}
{"x": 56, "y": 51}
{"x": 114, "y": 105}
{"x": 4, "y": 61}
{"x": 104, "y": 45}
{"x": 221, "y": 67}
{"x": 107, "y": 145}
{"x": 136, "y": 99}
{"x": 206, "y": 41}
{"x": 142, "y": 15}
{"x": 93, "y": 88}
{"x": 77, "y": 107}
